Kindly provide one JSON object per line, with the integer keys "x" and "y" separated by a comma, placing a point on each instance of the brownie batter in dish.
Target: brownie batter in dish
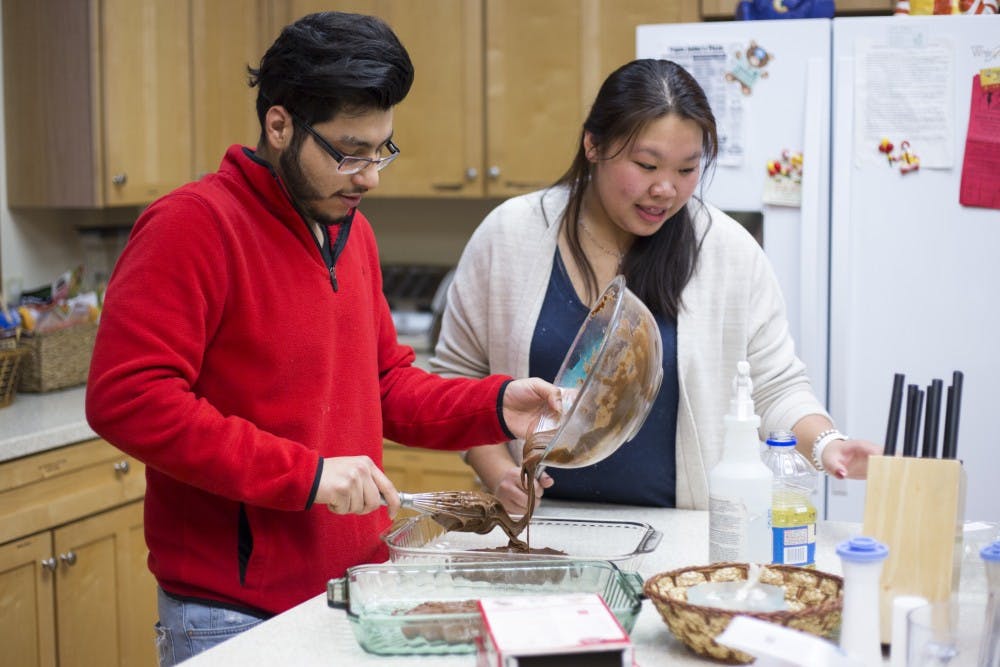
{"x": 458, "y": 631}
{"x": 478, "y": 512}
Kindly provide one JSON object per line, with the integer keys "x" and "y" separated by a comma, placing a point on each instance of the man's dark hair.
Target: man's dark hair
{"x": 330, "y": 62}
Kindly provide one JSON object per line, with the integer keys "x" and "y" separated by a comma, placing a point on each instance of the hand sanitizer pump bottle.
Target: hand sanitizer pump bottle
{"x": 739, "y": 486}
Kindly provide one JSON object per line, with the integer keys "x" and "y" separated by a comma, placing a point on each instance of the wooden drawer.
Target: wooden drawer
{"x": 52, "y": 488}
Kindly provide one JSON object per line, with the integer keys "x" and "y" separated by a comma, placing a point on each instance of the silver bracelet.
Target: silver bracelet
{"x": 820, "y": 443}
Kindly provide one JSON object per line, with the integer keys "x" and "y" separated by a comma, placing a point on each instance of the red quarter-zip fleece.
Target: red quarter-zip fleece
{"x": 228, "y": 364}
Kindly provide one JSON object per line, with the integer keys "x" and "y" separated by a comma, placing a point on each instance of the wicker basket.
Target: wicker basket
{"x": 10, "y": 364}
{"x": 814, "y": 599}
{"x": 58, "y": 359}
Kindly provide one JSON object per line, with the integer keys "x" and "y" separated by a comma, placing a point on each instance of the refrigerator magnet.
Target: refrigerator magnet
{"x": 749, "y": 66}
{"x": 783, "y": 186}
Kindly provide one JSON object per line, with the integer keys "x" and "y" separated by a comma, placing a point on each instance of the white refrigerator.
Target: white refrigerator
{"x": 882, "y": 268}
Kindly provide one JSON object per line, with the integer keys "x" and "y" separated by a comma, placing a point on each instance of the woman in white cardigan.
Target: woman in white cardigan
{"x": 536, "y": 264}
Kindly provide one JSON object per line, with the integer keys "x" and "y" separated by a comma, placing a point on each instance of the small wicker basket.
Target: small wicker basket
{"x": 10, "y": 364}
{"x": 814, "y": 599}
{"x": 57, "y": 359}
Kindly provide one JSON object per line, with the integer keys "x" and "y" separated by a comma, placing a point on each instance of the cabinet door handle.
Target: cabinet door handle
{"x": 493, "y": 172}
{"x": 122, "y": 467}
{"x": 120, "y": 179}
{"x": 69, "y": 557}
{"x": 471, "y": 174}
{"x": 49, "y": 564}
{"x": 524, "y": 185}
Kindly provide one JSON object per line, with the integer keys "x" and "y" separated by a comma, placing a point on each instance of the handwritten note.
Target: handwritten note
{"x": 980, "y": 185}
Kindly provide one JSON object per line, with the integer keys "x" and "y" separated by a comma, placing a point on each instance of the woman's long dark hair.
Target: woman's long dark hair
{"x": 657, "y": 267}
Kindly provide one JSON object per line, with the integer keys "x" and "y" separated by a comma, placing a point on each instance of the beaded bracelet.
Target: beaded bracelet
{"x": 820, "y": 443}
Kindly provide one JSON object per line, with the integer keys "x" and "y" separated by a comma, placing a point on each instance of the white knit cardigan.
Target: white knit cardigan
{"x": 732, "y": 310}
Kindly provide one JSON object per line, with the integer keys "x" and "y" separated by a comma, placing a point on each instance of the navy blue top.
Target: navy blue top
{"x": 643, "y": 470}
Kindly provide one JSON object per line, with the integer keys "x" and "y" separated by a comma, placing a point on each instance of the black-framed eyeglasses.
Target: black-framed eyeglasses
{"x": 350, "y": 164}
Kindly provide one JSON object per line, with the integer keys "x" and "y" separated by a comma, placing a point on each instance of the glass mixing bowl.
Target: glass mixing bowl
{"x": 609, "y": 378}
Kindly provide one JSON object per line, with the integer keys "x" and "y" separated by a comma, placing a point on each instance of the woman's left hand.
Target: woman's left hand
{"x": 848, "y": 459}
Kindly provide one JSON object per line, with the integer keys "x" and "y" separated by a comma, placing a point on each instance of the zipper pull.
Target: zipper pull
{"x": 333, "y": 278}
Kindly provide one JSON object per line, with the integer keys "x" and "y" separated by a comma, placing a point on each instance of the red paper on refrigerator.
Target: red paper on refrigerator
{"x": 980, "y": 185}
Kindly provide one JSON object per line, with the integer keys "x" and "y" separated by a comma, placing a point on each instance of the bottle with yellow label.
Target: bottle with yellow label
{"x": 793, "y": 515}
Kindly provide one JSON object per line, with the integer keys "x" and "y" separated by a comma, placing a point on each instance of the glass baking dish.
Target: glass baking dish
{"x": 378, "y": 597}
{"x": 623, "y": 543}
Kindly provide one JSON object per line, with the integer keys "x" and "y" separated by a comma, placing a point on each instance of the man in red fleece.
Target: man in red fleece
{"x": 247, "y": 355}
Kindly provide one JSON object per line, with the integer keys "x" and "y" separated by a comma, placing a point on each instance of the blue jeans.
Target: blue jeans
{"x": 186, "y": 628}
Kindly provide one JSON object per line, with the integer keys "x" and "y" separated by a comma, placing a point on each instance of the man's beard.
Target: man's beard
{"x": 301, "y": 190}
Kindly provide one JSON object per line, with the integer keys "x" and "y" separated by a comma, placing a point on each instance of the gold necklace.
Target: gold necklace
{"x": 617, "y": 254}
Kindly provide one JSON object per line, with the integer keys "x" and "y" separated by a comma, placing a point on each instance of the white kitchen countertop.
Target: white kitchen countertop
{"x": 314, "y": 634}
{"x": 34, "y": 423}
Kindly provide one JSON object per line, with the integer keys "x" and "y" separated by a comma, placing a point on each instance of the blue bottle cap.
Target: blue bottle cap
{"x": 862, "y": 550}
{"x": 781, "y": 439}
{"x": 991, "y": 552}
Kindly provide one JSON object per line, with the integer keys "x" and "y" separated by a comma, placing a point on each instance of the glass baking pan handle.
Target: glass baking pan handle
{"x": 650, "y": 541}
{"x": 633, "y": 581}
{"x": 336, "y": 593}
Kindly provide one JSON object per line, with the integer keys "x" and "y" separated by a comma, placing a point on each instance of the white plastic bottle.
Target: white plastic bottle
{"x": 793, "y": 516}
{"x": 739, "y": 486}
{"x": 861, "y": 560}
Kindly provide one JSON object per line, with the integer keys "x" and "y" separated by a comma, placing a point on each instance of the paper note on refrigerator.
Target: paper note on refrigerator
{"x": 903, "y": 86}
{"x": 980, "y": 185}
{"x": 708, "y": 64}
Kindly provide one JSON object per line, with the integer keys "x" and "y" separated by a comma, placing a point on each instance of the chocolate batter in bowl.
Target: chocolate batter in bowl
{"x": 610, "y": 378}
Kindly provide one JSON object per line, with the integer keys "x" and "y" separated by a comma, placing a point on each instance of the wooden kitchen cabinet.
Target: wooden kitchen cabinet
{"x": 74, "y": 585}
{"x": 27, "y": 602}
{"x": 414, "y": 470}
{"x": 226, "y": 37}
{"x": 501, "y": 86}
{"x": 105, "y": 594}
{"x": 439, "y": 126}
{"x": 117, "y": 102}
{"x": 545, "y": 63}
{"x": 97, "y": 100}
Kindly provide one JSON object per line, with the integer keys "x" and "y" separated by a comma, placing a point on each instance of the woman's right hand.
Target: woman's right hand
{"x": 501, "y": 476}
{"x": 513, "y": 496}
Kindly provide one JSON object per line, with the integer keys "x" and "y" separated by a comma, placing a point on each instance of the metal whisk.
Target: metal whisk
{"x": 467, "y": 512}
{"x": 458, "y": 503}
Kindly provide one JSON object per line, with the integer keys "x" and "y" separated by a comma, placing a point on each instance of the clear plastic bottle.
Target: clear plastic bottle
{"x": 793, "y": 515}
{"x": 739, "y": 487}
{"x": 989, "y": 652}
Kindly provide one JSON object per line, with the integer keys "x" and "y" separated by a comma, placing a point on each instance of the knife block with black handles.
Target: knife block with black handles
{"x": 916, "y": 508}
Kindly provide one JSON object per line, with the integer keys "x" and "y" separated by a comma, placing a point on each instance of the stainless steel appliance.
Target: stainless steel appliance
{"x": 416, "y": 296}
